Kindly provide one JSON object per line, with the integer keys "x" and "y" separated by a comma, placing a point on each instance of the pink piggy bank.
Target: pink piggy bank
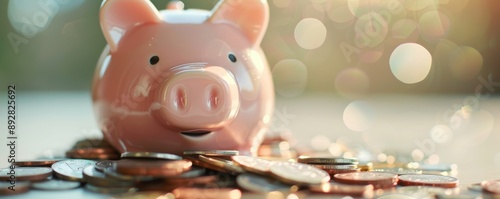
{"x": 177, "y": 80}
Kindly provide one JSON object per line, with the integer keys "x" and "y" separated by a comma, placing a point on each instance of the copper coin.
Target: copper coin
{"x": 213, "y": 153}
{"x": 91, "y": 143}
{"x": 151, "y": 155}
{"x": 326, "y": 160}
{"x": 71, "y": 169}
{"x": 7, "y": 188}
{"x": 53, "y": 184}
{"x": 93, "y": 153}
{"x": 253, "y": 164}
{"x": 158, "y": 168}
{"x": 343, "y": 189}
{"x": 226, "y": 165}
{"x": 35, "y": 163}
{"x": 196, "y": 161}
{"x": 336, "y": 171}
{"x": 97, "y": 178}
{"x": 110, "y": 172}
{"x": 25, "y": 173}
{"x": 103, "y": 164}
{"x": 491, "y": 186}
{"x": 207, "y": 193}
{"x": 377, "y": 179}
{"x": 298, "y": 173}
{"x": 428, "y": 180}
{"x": 200, "y": 180}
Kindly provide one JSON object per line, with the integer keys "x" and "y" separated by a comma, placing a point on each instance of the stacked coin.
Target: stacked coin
{"x": 332, "y": 165}
{"x": 95, "y": 149}
{"x": 378, "y": 180}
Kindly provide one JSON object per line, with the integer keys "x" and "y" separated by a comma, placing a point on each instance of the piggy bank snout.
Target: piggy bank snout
{"x": 199, "y": 99}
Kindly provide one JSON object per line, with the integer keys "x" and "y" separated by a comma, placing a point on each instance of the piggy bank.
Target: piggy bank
{"x": 176, "y": 80}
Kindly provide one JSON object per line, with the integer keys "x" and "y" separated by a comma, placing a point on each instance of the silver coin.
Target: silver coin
{"x": 213, "y": 153}
{"x": 97, "y": 178}
{"x": 326, "y": 160}
{"x": 110, "y": 190}
{"x": 55, "y": 185}
{"x": 71, "y": 170}
{"x": 101, "y": 165}
{"x": 298, "y": 173}
{"x": 253, "y": 164}
{"x": 399, "y": 171}
{"x": 151, "y": 155}
{"x": 19, "y": 187}
{"x": 26, "y": 173}
{"x": 475, "y": 187}
{"x": 259, "y": 184}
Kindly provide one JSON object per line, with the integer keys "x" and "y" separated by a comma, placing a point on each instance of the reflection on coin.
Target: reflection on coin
{"x": 71, "y": 169}
{"x": 20, "y": 187}
{"x": 213, "y": 153}
{"x": 326, "y": 160}
{"x": 226, "y": 165}
{"x": 343, "y": 189}
{"x": 159, "y": 168}
{"x": 492, "y": 186}
{"x": 399, "y": 171}
{"x": 35, "y": 163}
{"x": 151, "y": 155}
{"x": 97, "y": 178}
{"x": 259, "y": 184}
{"x": 55, "y": 185}
{"x": 144, "y": 195}
{"x": 26, "y": 173}
{"x": 110, "y": 190}
{"x": 377, "y": 179}
{"x": 428, "y": 180}
{"x": 207, "y": 193}
{"x": 253, "y": 164}
{"x": 298, "y": 173}
{"x": 101, "y": 165}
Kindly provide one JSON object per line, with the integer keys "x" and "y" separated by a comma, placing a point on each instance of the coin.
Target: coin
{"x": 94, "y": 177}
{"x": 399, "y": 171}
{"x": 19, "y": 187}
{"x": 151, "y": 155}
{"x": 298, "y": 173}
{"x": 260, "y": 184}
{"x": 101, "y": 165}
{"x": 110, "y": 172}
{"x": 475, "y": 187}
{"x": 377, "y": 179}
{"x": 35, "y": 163}
{"x": 196, "y": 161}
{"x": 253, "y": 164}
{"x": 207, "y": 193}
{"x": 335, "y": 166}
{"x": 326, "y": 160}
{"x": 421, "y": 191}
{"x": 491, "y": 186}
{"x": 26, "y": 173}
{"x": 428, "y": 180}
{"x": 336, "y": 171}
{"x": 200, "y": 180}
{"x": 213, "y": 153}
{"x": 93, "y": 153}
{"x": 91, "y": 143}
{"x": 110, "y": 190}
{"x": 53, "y": 184}
{"x": 158, "y": 168}
{"x": 71, "y": 169}
{"x": 343, "y": 189}
{"x": 226, "y": 165}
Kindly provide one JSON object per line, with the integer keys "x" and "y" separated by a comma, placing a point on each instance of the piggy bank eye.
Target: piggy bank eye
{"x": 232, "y": 57}
{"x": 154, "y": 60}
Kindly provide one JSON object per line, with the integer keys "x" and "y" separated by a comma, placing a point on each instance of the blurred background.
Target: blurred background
{"x": 383, "y": 80}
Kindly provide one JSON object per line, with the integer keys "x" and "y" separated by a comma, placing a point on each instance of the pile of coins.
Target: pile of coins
{"x": 226, "y": 174}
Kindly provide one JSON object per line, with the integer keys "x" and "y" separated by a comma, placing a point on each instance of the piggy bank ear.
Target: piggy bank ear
{"x": 251, "y": 16}
{"x": 119, "y": 16}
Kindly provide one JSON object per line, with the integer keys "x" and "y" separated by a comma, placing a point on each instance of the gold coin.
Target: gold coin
{"x": 226, "y": 165}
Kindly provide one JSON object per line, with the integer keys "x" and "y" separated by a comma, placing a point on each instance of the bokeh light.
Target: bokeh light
{"x": 352, "y": 82}
{"x": 320, "y": 143}
{"x": 433, "y": 159}
{"x": 433, "y": 25}
{"x": 417, "y": 155}
{"x": 416, "y": 5}
{"x": 405, "y": 29}
{"x": 410, "y": 63}
{"x": 370, "y": 30}
{"x": 290, "y": 77}
{"x": 310, "y": 33}
{"x": 465, "y": 63}
{"x": 282, "y": 3}
{"x": 359, "y": 116}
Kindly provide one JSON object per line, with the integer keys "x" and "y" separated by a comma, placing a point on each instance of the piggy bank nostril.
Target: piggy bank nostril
{"x": 180, "y": 99}
{"x": 213, "y": 98}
